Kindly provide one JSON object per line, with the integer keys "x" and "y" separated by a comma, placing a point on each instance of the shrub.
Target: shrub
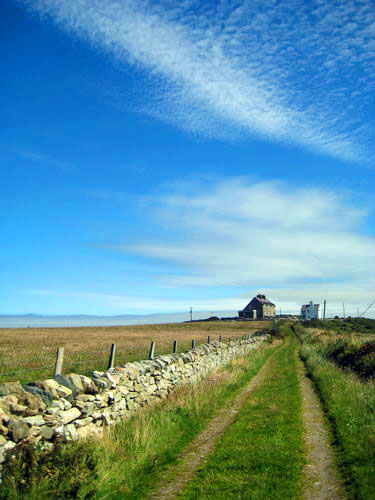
{"x": 358, "y": 358}
{"x": 33, "y": 473}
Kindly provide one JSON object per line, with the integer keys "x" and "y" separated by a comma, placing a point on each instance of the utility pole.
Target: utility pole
{"x": 358, "y": 312}
{"x": 191, "y": 314}
{"x": 343, "y": 309}
{"x": 324, "y": 309}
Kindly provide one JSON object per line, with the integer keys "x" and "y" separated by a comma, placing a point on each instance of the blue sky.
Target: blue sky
{"x": 161, "y": 155}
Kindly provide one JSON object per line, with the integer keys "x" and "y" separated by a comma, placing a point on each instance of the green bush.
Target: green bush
{"x": 281, "y": 330}
{"x": 347, "y": 325}
{"x": 358, "y": 358}
{"x": 32, "y": 473}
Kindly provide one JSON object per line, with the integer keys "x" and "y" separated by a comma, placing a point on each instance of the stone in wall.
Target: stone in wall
{"x": 74, "y": 406}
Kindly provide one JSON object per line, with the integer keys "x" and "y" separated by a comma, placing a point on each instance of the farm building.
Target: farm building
{"x": 259, "y": 307}
{"x": 310, "y": 311}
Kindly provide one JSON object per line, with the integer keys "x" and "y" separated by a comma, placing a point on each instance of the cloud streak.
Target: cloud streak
{"x": 289, "y": 301}
{"x": 260, "y": 235}
{"x": 297, "y": 72}
{"x": 45, "y": 159}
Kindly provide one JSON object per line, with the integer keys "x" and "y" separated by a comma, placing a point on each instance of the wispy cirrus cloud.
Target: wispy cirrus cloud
{"x": 296, "y": 72}
{"x": 45, "y": 159}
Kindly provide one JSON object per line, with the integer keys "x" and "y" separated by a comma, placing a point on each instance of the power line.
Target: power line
{"x": 372, "y": 303}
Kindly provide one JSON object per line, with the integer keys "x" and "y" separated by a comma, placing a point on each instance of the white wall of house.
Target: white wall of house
{"x": 310, "y": 311}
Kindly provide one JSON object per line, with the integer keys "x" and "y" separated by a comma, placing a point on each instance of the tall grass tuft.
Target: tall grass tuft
{"x": 34, "y": 474}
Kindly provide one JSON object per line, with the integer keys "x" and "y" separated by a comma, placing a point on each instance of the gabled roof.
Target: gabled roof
{"x": 261, "y": 299}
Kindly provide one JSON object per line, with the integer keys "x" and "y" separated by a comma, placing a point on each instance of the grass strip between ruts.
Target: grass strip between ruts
{"x": 262, "y": 453}
{"x": 126, "y": 464}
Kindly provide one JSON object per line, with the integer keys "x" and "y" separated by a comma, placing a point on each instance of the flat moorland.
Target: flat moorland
{"x": 29, "y": 353}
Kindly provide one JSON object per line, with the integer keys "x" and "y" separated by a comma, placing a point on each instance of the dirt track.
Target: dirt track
{"x": 321, "y": 478}
{"x": 195, "y": 455}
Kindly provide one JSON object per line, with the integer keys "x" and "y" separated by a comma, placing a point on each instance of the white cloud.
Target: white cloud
{"x": 295, "y": 72}
{"x": 265, "y": 235}
{"x": 225, "y": 240}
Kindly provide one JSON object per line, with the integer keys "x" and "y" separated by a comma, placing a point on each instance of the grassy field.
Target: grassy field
{"x": 349, "y": 401}
{"x": 262, "y": 453}
{"x": 29, "y": 353}
{"x": 127, "y": 463}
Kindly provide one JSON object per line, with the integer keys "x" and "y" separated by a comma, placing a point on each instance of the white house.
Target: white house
{"x": 310, "y": 311}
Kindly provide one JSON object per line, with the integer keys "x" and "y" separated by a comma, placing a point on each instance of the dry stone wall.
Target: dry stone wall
{"x": 74, "y": 406}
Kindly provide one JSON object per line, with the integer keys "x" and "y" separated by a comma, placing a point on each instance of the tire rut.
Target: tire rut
{"x": 321, "y": 476}
{"x": 194, "y": 456}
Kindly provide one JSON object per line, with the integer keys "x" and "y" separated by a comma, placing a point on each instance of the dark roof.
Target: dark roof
{"x": 262, "y": 299}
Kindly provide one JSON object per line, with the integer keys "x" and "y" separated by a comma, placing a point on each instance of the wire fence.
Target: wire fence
{"x": 116, "y": 355}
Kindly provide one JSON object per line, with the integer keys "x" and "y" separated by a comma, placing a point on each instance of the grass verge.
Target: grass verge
{"x": 126, "y": 464}
{"x": 350, "y": 404}
{"x": 262, "y": 453}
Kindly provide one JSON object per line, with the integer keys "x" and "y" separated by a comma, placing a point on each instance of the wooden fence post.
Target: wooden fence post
{"x": 193, "y": 344}
{"x": 111, "y": 360}
{"x": 174, "y": 346}
{"x": 220, "y": 338}
{"x": 152, "y": 351}
{"x": 59, "y": 361}
{"x": 209, "y": 340}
